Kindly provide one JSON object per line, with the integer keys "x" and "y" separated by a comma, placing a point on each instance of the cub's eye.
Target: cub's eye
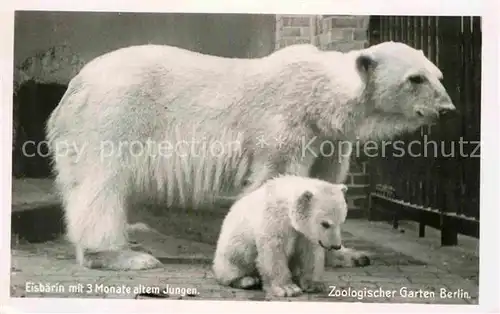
{"x": 325, "y": 224}
{"x": 417, "y": 79}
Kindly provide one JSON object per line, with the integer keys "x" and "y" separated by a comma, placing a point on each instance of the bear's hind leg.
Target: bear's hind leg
{"x": 259, "y": 175}
{"x": 228, "y": 274}
{"x": 95, "y": 212}
{"x": 263, "y": 172}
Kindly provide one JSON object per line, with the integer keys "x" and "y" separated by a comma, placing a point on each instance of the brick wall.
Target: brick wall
{"x": 342, "y": 33}
{"x": 332, "y": 32}
{"x": 358, "y": 185}
{"x": 294, "y": 29}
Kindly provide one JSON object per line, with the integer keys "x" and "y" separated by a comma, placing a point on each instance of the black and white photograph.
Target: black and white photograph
{"x": 178, "y": 157}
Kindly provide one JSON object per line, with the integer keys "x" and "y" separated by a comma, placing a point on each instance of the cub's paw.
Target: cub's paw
{"x": 348, "y": 258}
{"x": 289, "y": 290}
{"x": 311, "y": 286}
{"x": 247, "y": 283}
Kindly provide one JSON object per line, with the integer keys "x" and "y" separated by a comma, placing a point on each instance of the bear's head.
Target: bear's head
{"x": 319, "y": 214}
{"x": 403, "y": 90}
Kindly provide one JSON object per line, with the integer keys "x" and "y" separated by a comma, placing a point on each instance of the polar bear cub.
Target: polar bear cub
{"x": 276, "y": 236}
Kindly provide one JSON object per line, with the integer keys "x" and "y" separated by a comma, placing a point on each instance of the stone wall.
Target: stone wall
{"x": 91, "y": 34}
{"x": 58, "y": 64}
{"x": 52, "y": 68}
{"x": 332, "y": 32}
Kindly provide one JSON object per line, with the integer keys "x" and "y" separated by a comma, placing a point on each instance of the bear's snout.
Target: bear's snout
{"x": 447, "y": 110}
{"x": 428, "y": 113}
{"x": 444, "y": 105}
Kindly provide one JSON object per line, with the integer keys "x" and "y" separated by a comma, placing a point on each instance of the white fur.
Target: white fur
{"x": 270, "y": 235}
{"x": 166, "y": 96}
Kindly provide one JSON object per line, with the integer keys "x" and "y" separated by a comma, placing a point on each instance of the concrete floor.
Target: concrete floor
{"x": 400, "y": 260}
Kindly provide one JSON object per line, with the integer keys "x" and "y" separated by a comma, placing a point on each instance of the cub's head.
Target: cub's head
{"x": 403, "y": 89}
{"x": 319, "y": 214}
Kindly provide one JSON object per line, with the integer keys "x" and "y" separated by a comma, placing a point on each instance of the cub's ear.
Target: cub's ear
{"x": 365, "y": 63}
{"x": 304, "y": 200}
{"x": 343, "y": 188}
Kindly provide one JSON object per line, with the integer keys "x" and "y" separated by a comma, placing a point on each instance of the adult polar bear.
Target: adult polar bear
{"x": 124, "y": 115}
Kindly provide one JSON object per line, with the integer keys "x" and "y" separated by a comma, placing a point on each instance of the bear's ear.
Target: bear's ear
{"x": 304, "y": 200}
{"x": 365, "y": 63}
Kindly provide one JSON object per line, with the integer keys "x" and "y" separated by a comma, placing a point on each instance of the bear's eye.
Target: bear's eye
{"x": 417, "y": 79}
{"x": 325, "y": 224}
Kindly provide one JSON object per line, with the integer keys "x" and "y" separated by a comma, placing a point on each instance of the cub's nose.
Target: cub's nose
{"x": 334, "y": 247}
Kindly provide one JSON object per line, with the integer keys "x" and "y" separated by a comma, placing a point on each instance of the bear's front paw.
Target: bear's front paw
{"x": 120, "y": 260}
{"x": 289, "y": 290}
{"x": 311, "y": 286}
{"x": 348, "y": 258}
{"x": 361, "y": 260}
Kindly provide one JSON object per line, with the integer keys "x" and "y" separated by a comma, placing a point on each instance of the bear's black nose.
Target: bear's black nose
{"x": 444, "y": 111}
{"x": 447, "y": 111}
